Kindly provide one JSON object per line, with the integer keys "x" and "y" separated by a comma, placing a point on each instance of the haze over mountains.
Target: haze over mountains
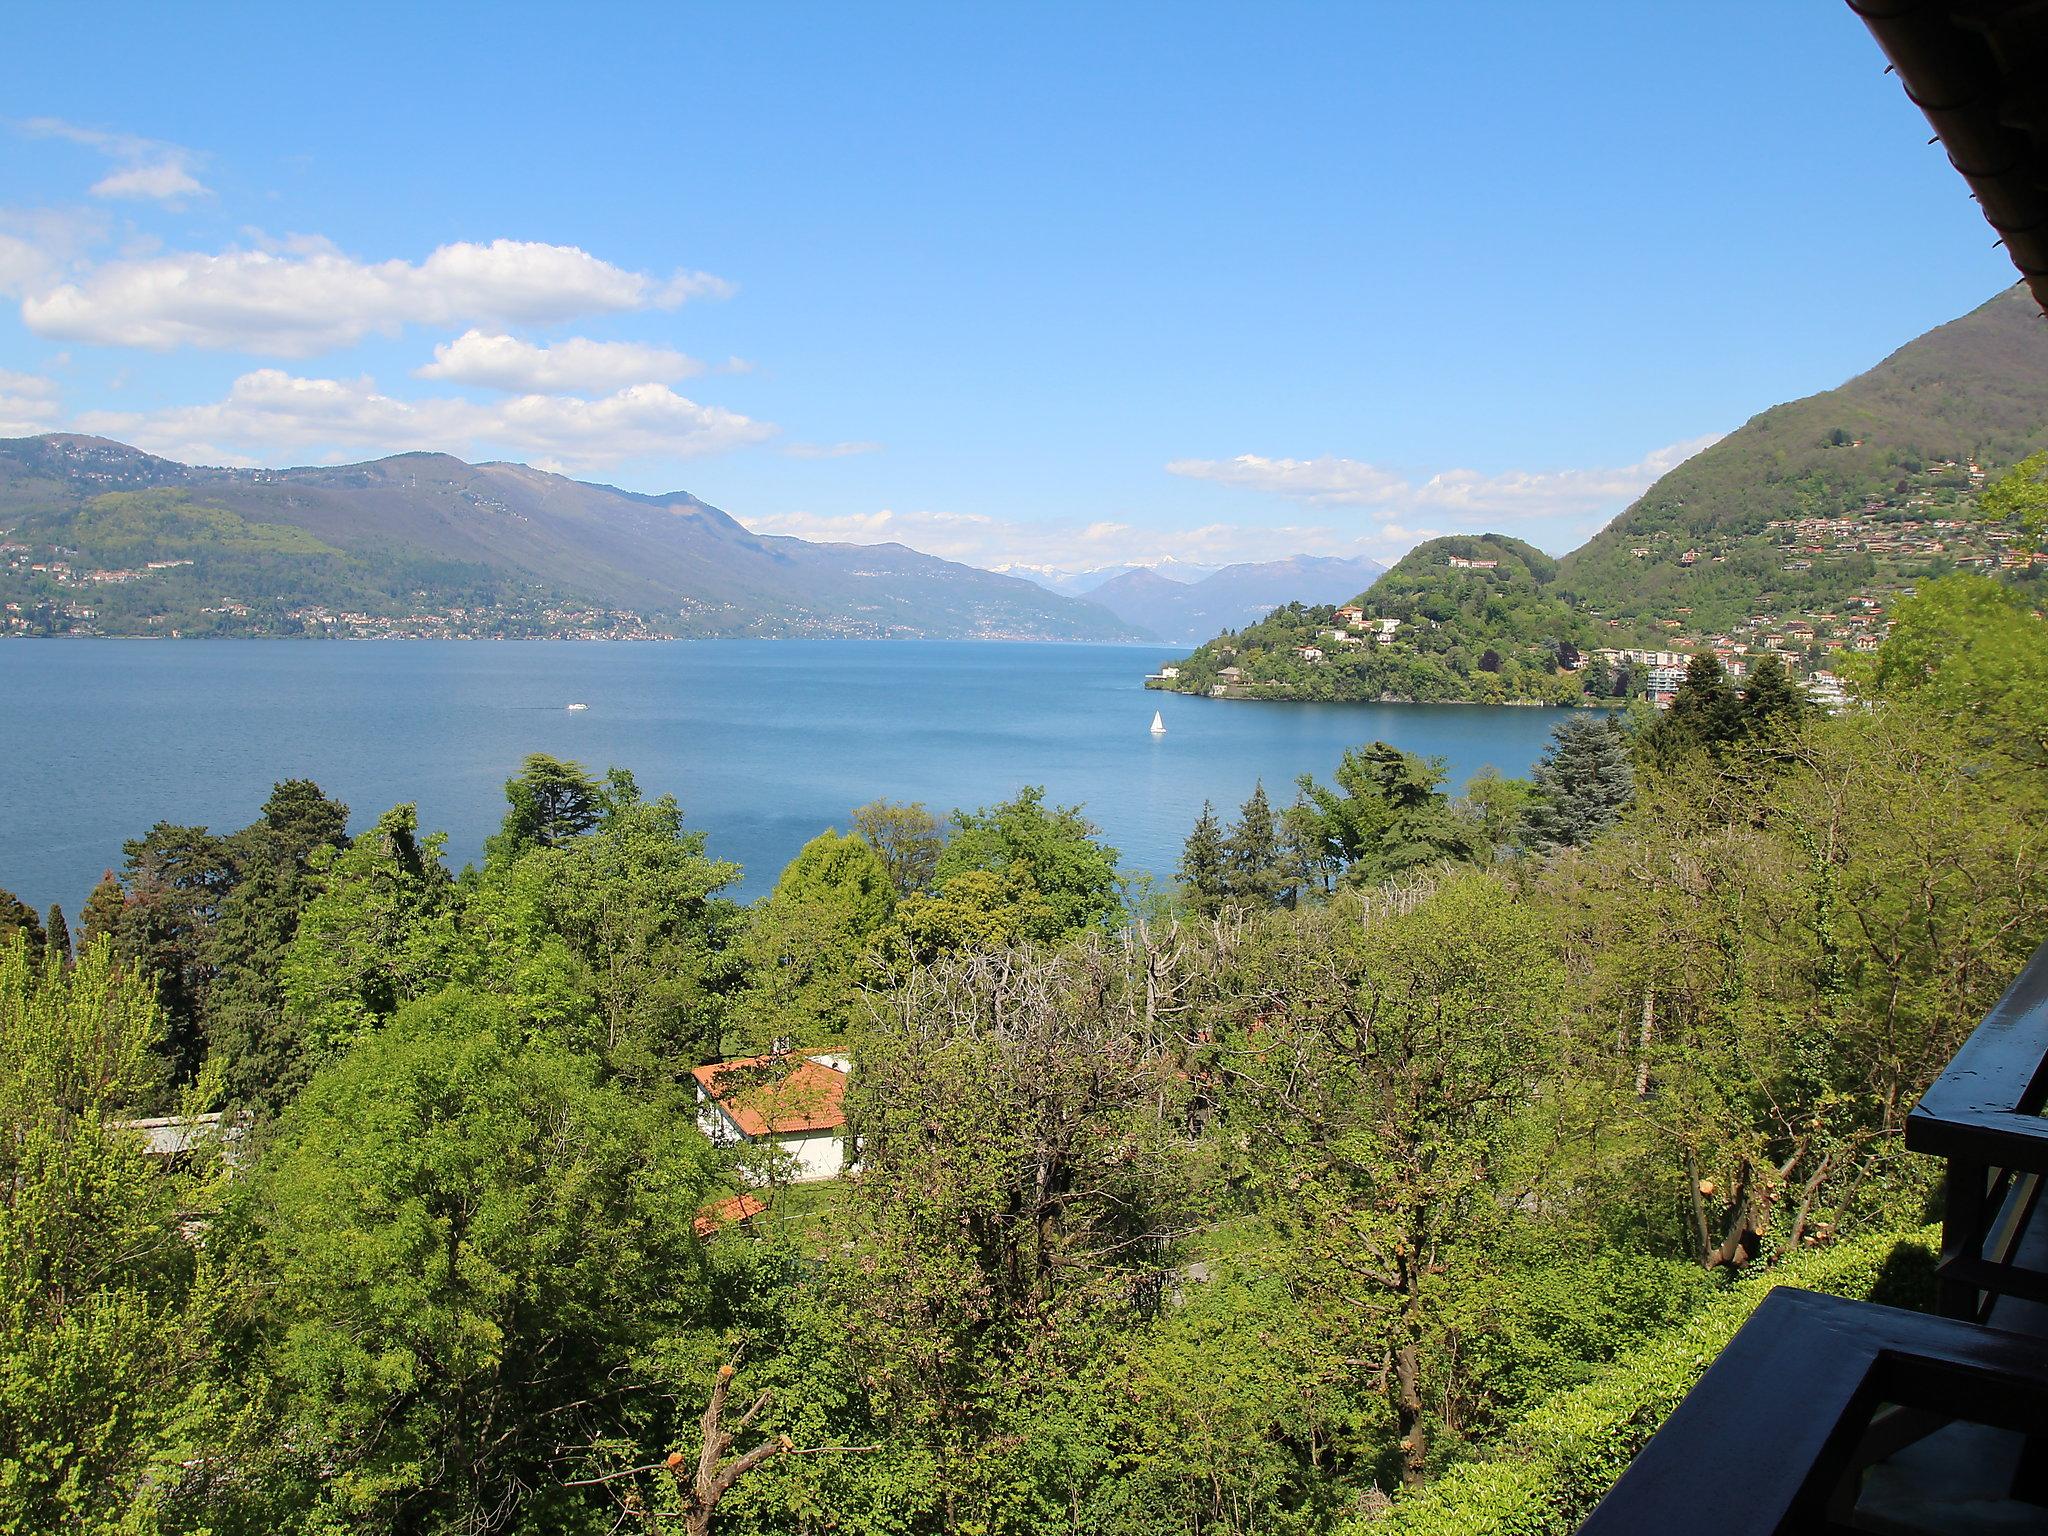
{"x": 197, "y": 550}
{"x": 1192, "y": 610}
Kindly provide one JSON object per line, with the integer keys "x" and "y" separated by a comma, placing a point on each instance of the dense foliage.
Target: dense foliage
{"x": 1491, "y": 629}
{"x": 1397, "y": 1170}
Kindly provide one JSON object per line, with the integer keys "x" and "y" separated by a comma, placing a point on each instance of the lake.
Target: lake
{"x": 765, "y": 743}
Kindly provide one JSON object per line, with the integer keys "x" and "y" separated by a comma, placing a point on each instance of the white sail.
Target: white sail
{"x": 1158, "y": 725}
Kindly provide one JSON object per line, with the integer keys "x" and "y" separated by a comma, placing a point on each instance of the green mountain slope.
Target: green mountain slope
{"x": 423, "y": 543}
{"x": 1892, "y": 447}
{"x": 1471, "y": 617}
{"x": 1794, "y": 534}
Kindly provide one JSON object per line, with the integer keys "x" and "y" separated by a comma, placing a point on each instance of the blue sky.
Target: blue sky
{"x": 1056, "y": 284}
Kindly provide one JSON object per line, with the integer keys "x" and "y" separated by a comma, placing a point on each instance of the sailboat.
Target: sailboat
{"x": 1158, "y": 725}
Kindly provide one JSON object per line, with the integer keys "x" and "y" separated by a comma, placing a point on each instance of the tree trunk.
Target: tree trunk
{"x": 1408, "y": 1402}
{"x": 1643, "y": 1043}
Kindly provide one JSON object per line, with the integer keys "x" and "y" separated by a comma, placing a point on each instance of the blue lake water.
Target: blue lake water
{"x": 765, "y": 743}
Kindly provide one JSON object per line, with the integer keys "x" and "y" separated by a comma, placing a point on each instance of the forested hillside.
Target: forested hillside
{"x": 1396, "y": 1170}
{"x": 1795, "y": 535}
{"x": 1473, "y": 618}
{"x": 1891, "y": 447}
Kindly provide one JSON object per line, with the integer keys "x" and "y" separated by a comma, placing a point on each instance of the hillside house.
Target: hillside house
{"x": 1460, "y": 563}
{"x": 794, "y": 1103}
{"x": 1352, "y": 615}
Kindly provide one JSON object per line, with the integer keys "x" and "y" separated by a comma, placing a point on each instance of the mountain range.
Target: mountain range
{"x": 1186, "y": 611}
{"x": 98, "y": 537}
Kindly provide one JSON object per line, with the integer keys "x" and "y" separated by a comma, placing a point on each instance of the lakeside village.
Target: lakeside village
{"x": 52, "y": 592}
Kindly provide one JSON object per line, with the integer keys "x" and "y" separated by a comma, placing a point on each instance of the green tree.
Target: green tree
{"x": 1772, "y": 704}
{"x": 95, "y": 1271}
{"x": 1705, "y": 715}
{"x": 1583, "y": 781}
{"x": 1387, "y": 813}
{"x": 1073, "y": 873}
{"x": 549, "y": 802}
{"x": 1388, "y": 1083}
{"x": 100, "y": 918}
{"x": 175, "y": 879}
{"x": 478, "y": 1256}
{"x": 808, "y": 945}
{"x": 908, "y": 837}
{"x": 1256, "y": 873}
{"x": 378, "y": 931}
{"x": 641, "y": 907}
{"x": 57, "y": 933}
{"x": 1498, "y": 809}
{"x": 1971, "y": 650}
{"x": 2021, "y": 495}
{"x": 978, "y": 911}
{"x": 17, "y": 916}
{"x": 247, "y": 941}
{"x": 1204, "y": 876}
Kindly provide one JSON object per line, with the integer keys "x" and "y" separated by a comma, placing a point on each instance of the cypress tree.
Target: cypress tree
{"x": 1256, "y": 871}
{"x": 57, "y": 933}
{"x": 1583, "y": 781}
{"x": 1202, "y": 873}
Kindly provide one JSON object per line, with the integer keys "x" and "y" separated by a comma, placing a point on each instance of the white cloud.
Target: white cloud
{"x": 269, "y": 416}
{"x": 28, "y": 404}
{"x": 576, "y": 366}
{"x": 1456, "y": 493}
{"x": 310, "y": 297}
{"x": 163, "y": 182}
{"x": 143, "y": 168}
{"x": 830, "y": 450}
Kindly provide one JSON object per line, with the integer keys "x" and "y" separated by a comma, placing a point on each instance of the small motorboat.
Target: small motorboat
{"x": 579, "y": 706}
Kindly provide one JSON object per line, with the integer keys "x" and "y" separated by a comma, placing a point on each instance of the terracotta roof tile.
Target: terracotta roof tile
{"x": 767, "y": 1096}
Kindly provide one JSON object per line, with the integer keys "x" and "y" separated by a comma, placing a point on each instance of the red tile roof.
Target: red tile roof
{"x": 768, "y": 1096}
{"x": 727, "y": 1212}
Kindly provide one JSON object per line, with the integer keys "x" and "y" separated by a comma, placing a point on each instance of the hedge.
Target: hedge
{"x": 1548, "y": 1471}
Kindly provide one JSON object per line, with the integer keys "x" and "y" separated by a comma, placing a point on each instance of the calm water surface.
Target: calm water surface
{"x": 765, "y": 743}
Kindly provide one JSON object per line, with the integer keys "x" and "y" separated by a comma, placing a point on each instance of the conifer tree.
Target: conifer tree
{"x": 1772, "y": 701}
{"x": 57, "y": 933}
{"x": 1256, "y": 872}
{"x": 1203, "y": 875}
{"x": 17, "y": 916}
{"x": 100, "y": 918}
{"x": 1583, "y": 781}
{"x": 1705, "y": 715}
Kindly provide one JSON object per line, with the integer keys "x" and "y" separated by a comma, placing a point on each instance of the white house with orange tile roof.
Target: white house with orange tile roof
{"x": 792, "y": 1102}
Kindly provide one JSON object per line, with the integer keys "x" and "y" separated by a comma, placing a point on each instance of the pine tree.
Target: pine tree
{"x": 57, "y": 933}
{"x": 1772, "y": 702}
{"x": 1257, "y": 873}
{"x": 1203, "y": 875}
{"x": 1705, "y": 714}
{"x": 100, "y": 918}
{"x": 1583, "y": 781}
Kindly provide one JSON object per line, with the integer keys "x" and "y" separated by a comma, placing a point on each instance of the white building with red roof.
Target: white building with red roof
{"x": 792, "y": 1102}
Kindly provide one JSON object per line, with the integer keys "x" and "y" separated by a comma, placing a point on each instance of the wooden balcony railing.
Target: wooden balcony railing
{"x": 1825, "y": 1415}
{"x": 1983, "y": 1114}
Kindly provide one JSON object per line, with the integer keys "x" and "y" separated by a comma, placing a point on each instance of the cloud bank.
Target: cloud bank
{"x": 270, "y": 415}
{"x": 310, "y": 297}
{"x": 1459, "y": 493}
